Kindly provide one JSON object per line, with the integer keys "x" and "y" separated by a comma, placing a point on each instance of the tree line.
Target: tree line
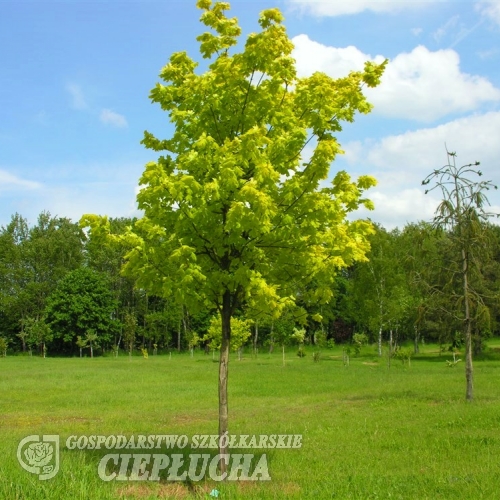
{"x": 62, "y": 291}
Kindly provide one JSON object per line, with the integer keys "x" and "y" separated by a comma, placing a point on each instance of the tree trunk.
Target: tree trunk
{"x": 223, "y": 375}
{"x": 380, "y": 341}
{"x": 179, "y": 337}
{"x": 469, "y": 371}
{"x": 416, "y": 348}
{"x": 256, "y": 337}
{"x": 271, "y": 341}
{"x": 184, "y": 325}
{"x": 390, "y": 347}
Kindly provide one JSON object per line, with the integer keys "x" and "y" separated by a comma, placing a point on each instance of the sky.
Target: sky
{"x": 75, "y": 78}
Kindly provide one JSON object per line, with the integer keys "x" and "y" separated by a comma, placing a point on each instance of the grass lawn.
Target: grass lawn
{"x": 368, "y": 432}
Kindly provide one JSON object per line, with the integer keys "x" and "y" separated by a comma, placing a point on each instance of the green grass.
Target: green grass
{"x": 368, "y": 432}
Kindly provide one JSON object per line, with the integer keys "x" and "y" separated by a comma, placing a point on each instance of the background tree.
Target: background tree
{"x": 236, "y": 213}
{"x": 32, "y": 262}
{"x": 38, "y": 333}
{"x": 420, "y": 244}
{"x": 377, "y": 290}
{"x": 462, "y": 213}
{"x": 13, "y": 274}
{"x": 488, "y": 284}
{"x": 156, "y": 324}
{"x": 55, "y": 247}
{"x": 82, "y": 302}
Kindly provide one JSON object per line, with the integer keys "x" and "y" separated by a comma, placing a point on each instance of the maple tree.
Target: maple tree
{"x": 235, "y": 213}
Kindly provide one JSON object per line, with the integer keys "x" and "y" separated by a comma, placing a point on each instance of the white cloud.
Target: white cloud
{"x": 333, "y": 8}
{"x": 490, "y": 9}
{"x": 109, "y": 117}
{"x": 426, "y": 85}
{"x": 401, "y": 162}
{"x": 416, "y": 31}
{"x": 71, "y": 190}
{"x": 474, "y": 138}
{"x": 113, "y": 200}
{"x": 337, "y": 62}
{"x": 9, "y": 182}
{"x": 77, "y": 98}
{"x": 395, "y": 208}
{"x": 420, "y": 85}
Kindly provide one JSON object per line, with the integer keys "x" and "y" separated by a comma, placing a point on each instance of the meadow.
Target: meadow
{"x": 369, "y": 432}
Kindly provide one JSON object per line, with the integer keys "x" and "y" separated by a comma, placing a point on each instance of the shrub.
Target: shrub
{"x": 359, "y": 340}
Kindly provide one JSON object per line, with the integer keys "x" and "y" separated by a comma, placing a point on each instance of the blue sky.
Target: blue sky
{"x": 75, "y": 78}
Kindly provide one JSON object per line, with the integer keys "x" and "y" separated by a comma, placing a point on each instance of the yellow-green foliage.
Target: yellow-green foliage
{"x": 234, "y": 208}
{"x": 240, "y": 332}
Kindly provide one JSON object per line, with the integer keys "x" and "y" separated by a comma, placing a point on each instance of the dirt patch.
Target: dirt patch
{"x": 180, "y": 491}
{"x": 172, "y": 491}
{"x": 191, "y": 418}
{"x": 20, "y": 421}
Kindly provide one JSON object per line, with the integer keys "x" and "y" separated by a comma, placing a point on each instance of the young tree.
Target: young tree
{"x": 129, "y": 330}
{"x": 38, "y": 333}
{"x": 284, "y": 331}
{"x": 92, "y": 339}
{"x": 81, "y": 343}
{"x": 4, "y": 343}
{"x": 462, "y": 213}
{"x": 240, "y": 333}
{"x": 235, "y": 212}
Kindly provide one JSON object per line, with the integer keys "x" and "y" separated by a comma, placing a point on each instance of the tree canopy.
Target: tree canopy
{"x": 237, "y": 196}
{"x": 82, "y": 302}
